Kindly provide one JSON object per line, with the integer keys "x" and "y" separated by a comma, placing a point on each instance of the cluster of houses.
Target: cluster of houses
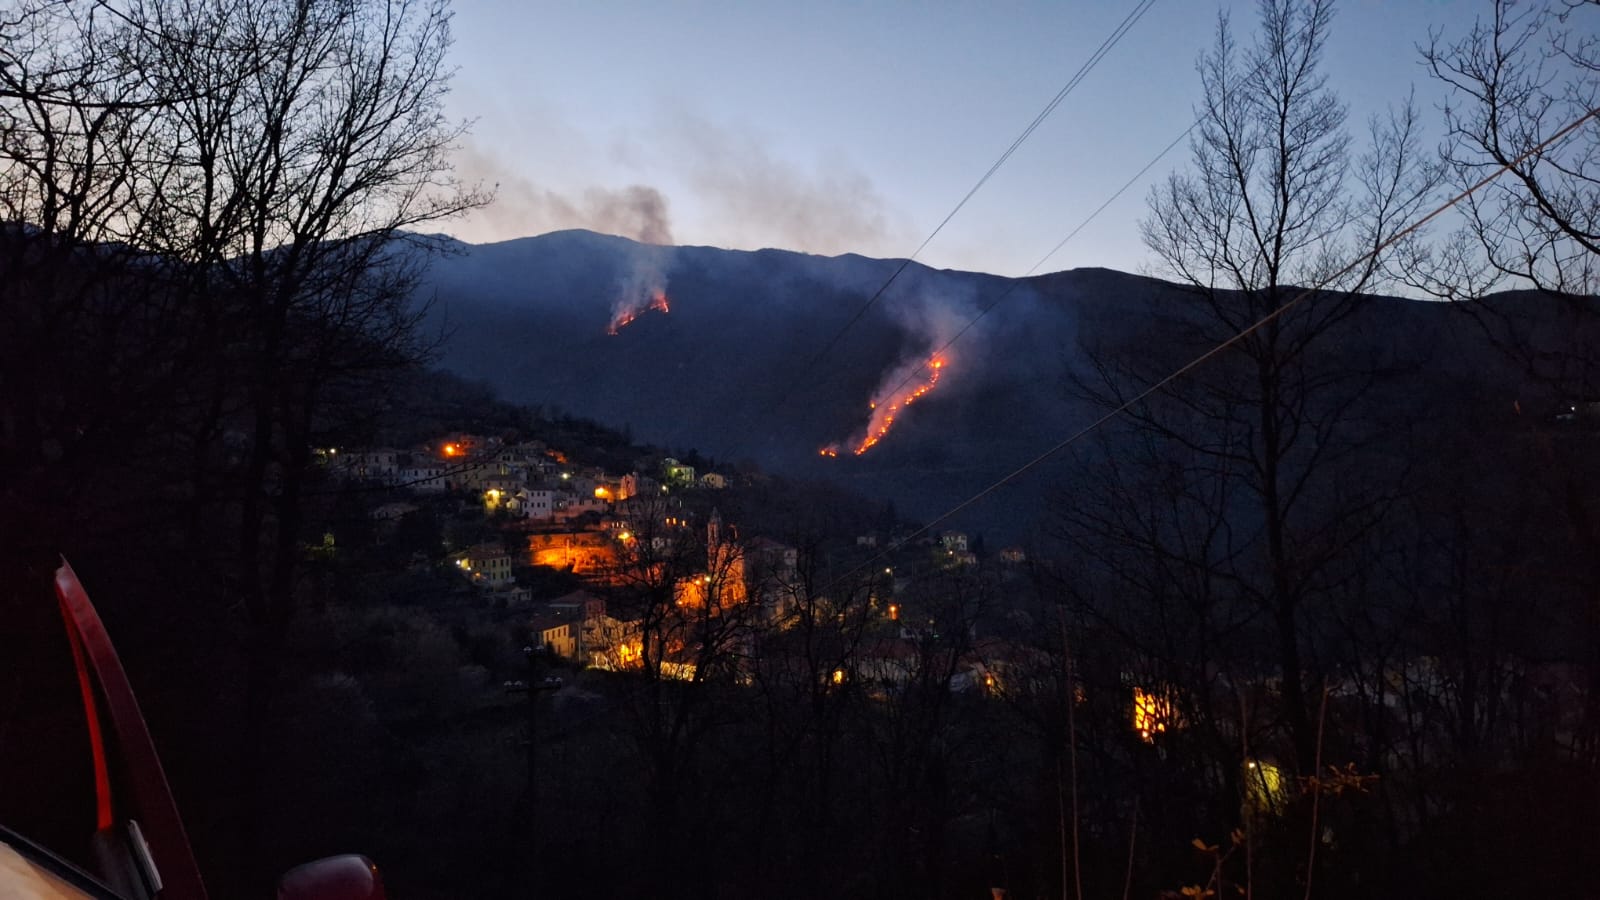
{"x": 756, "y": 579}
{"x": 526, "y": 480}
{"x": 606, "y": 528}
{"x": 583, "y": 520}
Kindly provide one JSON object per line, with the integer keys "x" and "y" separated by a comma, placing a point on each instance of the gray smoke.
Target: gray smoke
{"x": 930, "y": 318}
{"x": 757, "y": 199}
{"x": 637, "y": 211}
{"x": 523, "y": 208}
{"x": 641, "y": 287}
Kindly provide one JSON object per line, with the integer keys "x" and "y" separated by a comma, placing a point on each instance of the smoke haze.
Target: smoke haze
{"x": 738, "y": 189}
{"x": 521, "y": 207}
{"x": 754, "y": 198}
{"x": 930, "y": 319}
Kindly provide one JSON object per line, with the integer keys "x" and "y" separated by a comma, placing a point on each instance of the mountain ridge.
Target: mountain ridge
{"x": 729, "y": 369}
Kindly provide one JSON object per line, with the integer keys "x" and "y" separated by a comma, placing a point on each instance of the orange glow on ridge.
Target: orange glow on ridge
{"x": 658, "y": 303}
{"x": 883, "y": 415}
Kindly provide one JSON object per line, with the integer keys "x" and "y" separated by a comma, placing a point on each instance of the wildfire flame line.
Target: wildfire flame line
{"x": 658, "y": 302}
{"x": 883, "y": 420}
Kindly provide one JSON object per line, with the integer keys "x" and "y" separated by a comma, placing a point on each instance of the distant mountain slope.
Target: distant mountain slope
{"x": 729, "y": 370}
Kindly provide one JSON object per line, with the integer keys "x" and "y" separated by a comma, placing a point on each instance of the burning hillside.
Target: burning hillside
{"x": 906, "y": 388}
{"x": 626, "y": 314}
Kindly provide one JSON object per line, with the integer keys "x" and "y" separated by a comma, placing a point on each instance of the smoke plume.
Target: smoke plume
{"x": 754, "y": 198}
{"x": 641, "y": 288}
{"x": 931, "y": 321}
{"x": 523, "y": 208}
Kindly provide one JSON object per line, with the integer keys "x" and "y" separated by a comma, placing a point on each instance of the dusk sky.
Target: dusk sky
{"x": 833, "y": 127}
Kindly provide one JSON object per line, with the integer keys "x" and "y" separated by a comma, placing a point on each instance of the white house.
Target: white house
{"x": 537, "y": 504}
{"x": 424, "y": 478}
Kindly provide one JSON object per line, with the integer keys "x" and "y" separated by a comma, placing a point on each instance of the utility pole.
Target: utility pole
{"x": 535, "y": 655}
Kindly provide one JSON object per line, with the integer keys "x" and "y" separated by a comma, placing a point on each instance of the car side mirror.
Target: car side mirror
{"x": 348, "y": 877}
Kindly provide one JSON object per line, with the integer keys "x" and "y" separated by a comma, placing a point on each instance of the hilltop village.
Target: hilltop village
{"x": 609, "y": 570}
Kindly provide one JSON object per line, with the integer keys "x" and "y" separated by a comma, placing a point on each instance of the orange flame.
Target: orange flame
{"x": 658, "y": 303}
{"x": 883, "y": 415}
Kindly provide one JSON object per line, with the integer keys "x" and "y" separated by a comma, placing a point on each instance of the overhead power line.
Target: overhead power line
{"x": 1205, "y": 357}
{"x": 1088, "y": 65}
{"x": 1016, "y": 283}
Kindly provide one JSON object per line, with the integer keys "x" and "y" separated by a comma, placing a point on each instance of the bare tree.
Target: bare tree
{"x": 219, "y": 195}
{"x": 1525, "y": 98}
{"x": 1263, "y": 230}
{"x": 693, "y": 625}
{"x": 1518, "y": 79}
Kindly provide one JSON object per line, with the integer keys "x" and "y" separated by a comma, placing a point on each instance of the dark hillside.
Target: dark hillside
{"x": 732, "y": 369}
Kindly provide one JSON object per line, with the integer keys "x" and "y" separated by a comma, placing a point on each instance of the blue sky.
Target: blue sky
{"x": 833, "y": 127}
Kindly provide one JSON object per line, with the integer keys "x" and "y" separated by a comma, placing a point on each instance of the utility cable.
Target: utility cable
{"x": 1094, "y": 59}
{"x": 1225, "y": 345}
{"x": 1016, "y": 284}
